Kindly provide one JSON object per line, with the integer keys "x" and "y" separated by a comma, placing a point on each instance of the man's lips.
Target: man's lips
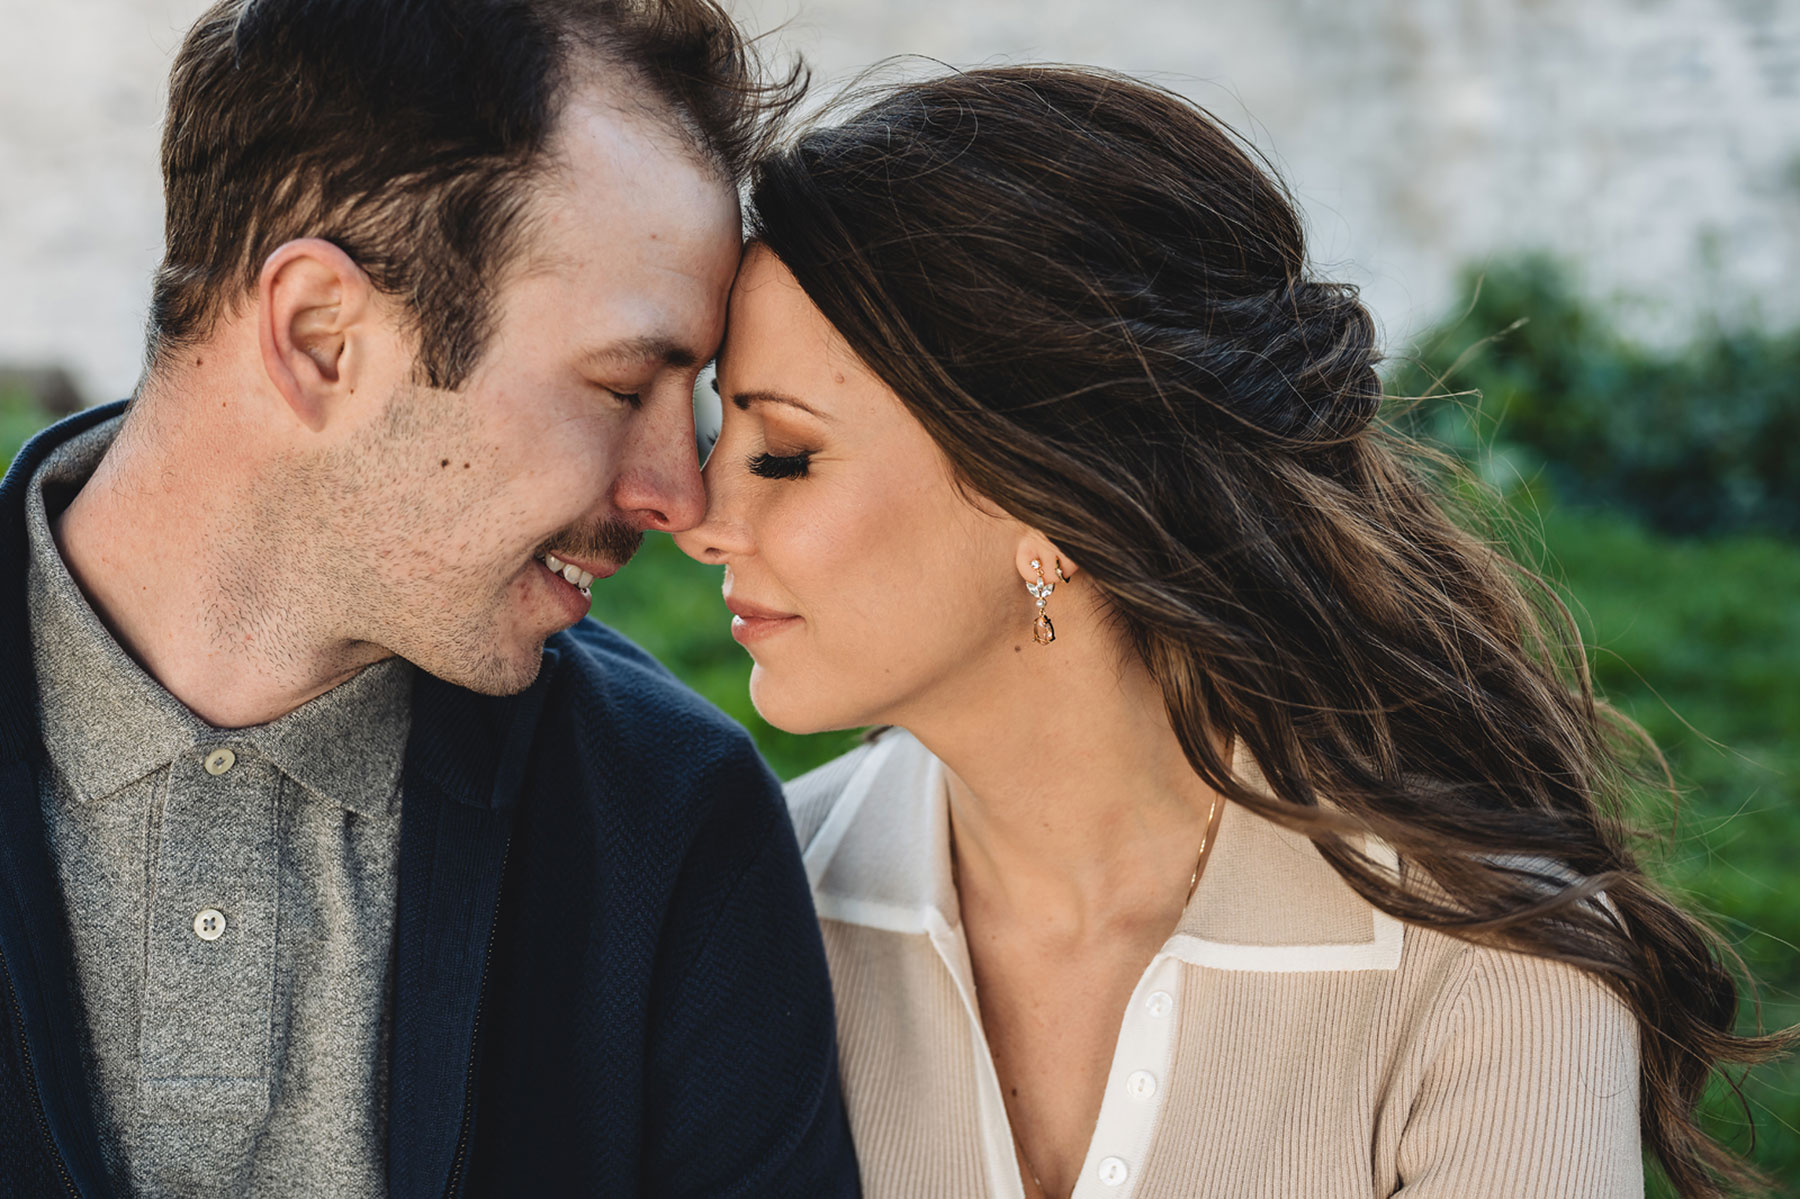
{"x": 576, "y": 574}
{"x": 599, "y": 569}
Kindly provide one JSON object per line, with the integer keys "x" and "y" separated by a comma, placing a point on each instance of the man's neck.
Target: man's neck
{"x": 169, "y": 559}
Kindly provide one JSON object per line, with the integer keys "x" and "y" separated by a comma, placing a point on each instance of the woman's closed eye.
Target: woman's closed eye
{"x": 780, "y": 466}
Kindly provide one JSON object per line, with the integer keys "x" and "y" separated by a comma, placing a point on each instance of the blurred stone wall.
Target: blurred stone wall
{"x": 1655, "y": 143}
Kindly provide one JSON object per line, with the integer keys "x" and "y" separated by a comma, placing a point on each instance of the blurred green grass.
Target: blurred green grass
{"x": 20, "y": 417}
{"x": 1699, "y": 642}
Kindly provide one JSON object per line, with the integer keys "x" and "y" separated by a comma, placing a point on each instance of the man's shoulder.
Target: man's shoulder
{"x": 612, "y": 700}
{"x": 612, "y": 677}
{"x": 597, "y": 651}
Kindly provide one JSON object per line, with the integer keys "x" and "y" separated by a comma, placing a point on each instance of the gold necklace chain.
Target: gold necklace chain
{"x": 1212, "y": 810}
{"x": 1193, "y": 885}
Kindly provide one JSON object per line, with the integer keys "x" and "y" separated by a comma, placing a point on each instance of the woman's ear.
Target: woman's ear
{"x": 313, "y": 325}
{"x": 1036, "y": 553}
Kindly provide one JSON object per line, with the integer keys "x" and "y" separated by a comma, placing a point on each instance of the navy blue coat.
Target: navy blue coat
{"x": 608, "y": 976}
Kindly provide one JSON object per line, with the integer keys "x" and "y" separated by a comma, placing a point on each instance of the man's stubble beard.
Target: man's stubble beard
{"x": 365, "y": 551}
{"x": 481, "y": 664}
{"x": 454, "y": 621}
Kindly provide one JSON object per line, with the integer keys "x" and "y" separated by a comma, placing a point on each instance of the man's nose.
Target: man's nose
{"x": 659, "y": 486}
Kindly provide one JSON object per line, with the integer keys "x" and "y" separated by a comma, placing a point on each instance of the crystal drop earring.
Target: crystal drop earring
{"x": 1042, "y": 631}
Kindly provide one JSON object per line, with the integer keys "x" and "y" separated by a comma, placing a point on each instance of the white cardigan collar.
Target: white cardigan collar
{"x": 1267, "y": 901}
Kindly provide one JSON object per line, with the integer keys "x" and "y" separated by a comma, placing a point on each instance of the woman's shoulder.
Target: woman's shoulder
{"x": 1524, "y": 1075}
{"x": 1473, "y": 963}
{"x": 1483, "y": 1010}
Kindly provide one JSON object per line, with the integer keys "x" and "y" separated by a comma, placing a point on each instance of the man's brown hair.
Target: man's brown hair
{"x": 409, "y": 133}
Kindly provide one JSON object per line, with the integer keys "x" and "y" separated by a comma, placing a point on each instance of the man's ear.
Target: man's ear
{"x": 313, "y": 323}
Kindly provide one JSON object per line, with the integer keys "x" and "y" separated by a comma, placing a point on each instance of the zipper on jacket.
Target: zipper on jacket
{"x": 37, "y": 1104}
{"x": 462, "y": 1136}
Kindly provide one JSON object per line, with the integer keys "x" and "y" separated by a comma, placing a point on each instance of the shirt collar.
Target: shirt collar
{"x": 106, "y": 723}
{"x": 347, "y": 745}
{"x": 882, "y": 856}
{"x": 1267, "y": 901}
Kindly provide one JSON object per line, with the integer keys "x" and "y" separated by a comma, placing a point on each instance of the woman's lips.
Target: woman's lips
{"x": 752, "y": 622}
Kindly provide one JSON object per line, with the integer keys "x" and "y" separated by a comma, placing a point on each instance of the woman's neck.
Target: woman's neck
{"x": 1073, "y": 807}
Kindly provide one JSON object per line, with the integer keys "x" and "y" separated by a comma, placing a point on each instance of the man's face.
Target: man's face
{"x": 574, "y": 433}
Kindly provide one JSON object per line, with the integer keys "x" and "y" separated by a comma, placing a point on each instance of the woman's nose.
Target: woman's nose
{"x": 718, "y": 535}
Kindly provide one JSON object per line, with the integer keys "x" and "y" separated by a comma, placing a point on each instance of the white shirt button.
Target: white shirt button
{"x": 1160, "y": 1003}
{"x": 1141, "y": 1085}
{"x": 219, "y": 761}
{"x": 1113, "y": 1171}
{"x": 210, "y": 924}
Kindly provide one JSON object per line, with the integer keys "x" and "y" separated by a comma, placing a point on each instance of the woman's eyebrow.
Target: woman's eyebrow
{"x": 743, "y": 399}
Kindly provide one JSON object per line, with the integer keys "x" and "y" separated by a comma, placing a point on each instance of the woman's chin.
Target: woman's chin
{"x": 793, "y": 709}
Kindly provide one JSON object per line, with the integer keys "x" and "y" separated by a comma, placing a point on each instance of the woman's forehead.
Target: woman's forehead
{"x": 777, "y": 341}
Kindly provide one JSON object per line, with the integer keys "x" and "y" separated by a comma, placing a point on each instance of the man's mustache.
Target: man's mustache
{"x": 612, "y": 540}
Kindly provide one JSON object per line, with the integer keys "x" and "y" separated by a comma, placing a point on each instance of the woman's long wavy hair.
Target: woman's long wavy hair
{"x": 1098, "y": 304}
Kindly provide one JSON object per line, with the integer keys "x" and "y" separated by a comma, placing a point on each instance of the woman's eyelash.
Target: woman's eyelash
{"x": 780, "y": 466}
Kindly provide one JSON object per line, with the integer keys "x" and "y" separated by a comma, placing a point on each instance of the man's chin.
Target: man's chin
{"x": 495, "y": 674}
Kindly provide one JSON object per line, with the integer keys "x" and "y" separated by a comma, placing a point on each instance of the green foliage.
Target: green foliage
{"x": 1701, "y": 439}
{"x": 1699, "y": 642}
{"x": 20, "y": 417}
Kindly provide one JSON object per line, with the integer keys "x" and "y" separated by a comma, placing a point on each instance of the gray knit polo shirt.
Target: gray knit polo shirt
{"x": 230, "y": 900}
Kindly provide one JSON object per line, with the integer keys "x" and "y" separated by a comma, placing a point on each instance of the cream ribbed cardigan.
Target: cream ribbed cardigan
{"x": 1288, "y": 1042}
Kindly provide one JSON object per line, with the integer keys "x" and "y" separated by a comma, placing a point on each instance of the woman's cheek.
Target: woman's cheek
{"x": 846, "y": 576}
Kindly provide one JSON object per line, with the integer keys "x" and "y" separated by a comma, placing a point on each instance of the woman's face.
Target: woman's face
{"x": 863, "y": 583}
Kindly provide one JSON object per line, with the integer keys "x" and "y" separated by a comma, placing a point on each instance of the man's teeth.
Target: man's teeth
{"x": 572, "y": 574}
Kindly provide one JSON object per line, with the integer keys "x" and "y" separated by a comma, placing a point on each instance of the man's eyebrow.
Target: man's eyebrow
{"x": 743, "y": 399}
{"x": 633, "y": 351}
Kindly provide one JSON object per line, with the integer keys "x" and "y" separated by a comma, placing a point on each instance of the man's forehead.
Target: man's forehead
{"x": 622, "y": 184}
{"x": 613, "y": 123}
{"x": 632, "y": 245}
{"x": 623, "y": 93}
